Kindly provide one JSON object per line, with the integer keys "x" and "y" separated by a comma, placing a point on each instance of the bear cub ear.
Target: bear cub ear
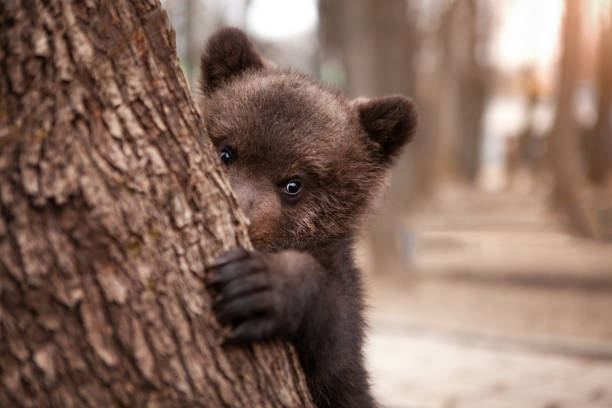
{"x": 227, "y": 54}
{"x": 389, "y": 121}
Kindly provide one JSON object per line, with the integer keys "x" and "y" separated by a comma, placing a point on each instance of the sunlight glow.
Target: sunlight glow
{"x": 529, "y": 34}
{"x": 281, "y": 18}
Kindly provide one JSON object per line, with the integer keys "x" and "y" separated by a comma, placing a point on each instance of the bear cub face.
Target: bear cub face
{"x": 302, "y": 160}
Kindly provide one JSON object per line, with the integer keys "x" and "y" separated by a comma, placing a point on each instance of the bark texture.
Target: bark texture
{"x": 111, "y": 203}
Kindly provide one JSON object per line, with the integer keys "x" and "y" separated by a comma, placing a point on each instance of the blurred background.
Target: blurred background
{"x": 489, "y": 261}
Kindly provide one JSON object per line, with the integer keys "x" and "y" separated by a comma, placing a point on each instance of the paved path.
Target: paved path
{"x": 432, "y": 371}
{"x": 499, "y": 308}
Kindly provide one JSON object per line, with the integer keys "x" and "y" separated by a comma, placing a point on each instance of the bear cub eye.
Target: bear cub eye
{"x": 226, "y": 156}
{"x": 292, "y": 188}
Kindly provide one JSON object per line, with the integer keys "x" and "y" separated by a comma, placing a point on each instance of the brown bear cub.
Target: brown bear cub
{"x": 304, "y": 163}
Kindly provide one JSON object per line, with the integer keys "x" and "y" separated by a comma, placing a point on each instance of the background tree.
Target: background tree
{"x": 463, "y": 88}
{"x": 376, "y": 44}
{"x": 365, "y": 36}
{"x": 111, "y": 203}
{"x": 599, "y": 139}
{"x": 563, "y": 143}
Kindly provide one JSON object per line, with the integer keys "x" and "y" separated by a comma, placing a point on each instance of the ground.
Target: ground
{"x": 498, "y": 307}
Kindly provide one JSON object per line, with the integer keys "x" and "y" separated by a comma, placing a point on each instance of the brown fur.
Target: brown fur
{"x": 300, "y": 283}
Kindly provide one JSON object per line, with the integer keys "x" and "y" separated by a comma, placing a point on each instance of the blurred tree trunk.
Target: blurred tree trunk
{"x": 111, "y": 202}
{"x": 563, "y": 140}
{"x": 192, "y": 51}
{"x": 599, "y": 151}
{"x": 462, "y": 91}
{"x": 377, "y": 41}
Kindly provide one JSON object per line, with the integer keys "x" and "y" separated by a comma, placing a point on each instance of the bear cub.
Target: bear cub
{"x": 304, "y": 163}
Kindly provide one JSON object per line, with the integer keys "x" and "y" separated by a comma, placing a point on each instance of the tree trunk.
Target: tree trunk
{"x": 377, "y": 42}
{"x": 111, "y": 203}
{"x": 462, "y": 91}
{"x": 563, "y": 140}
{"x": 599, "y": 152}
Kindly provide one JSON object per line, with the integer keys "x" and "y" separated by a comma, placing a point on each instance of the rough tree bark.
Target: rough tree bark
{"x": 111, "y": 202}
